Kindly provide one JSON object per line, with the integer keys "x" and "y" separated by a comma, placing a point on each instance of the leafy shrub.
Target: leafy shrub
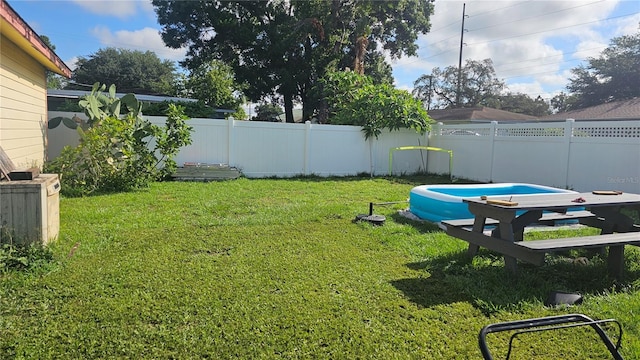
{"x": 120, "y": 153}
{"x": 170, "y": 139}
{"x": 356, "y": 100}
{"x": 19, "y": 257}
{"x": 268, "y": 112}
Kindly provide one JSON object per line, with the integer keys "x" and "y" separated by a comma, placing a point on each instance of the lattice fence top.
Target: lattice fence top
{"x": 599, "y": 130}
{"x": 607, "y": 131}
{"x": 532, "y": 132}
{"x": 467, "y": 131}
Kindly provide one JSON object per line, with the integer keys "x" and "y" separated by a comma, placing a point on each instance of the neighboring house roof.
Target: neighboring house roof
{"x": 19, "y": 32}
{"x": 618, "y": 110}
{"x": 477, "y": 114}
{"x": 75, "y": 94}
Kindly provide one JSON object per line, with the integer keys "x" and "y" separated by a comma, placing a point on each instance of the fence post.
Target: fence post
{"x": 436, "y": 130}
{"x": 307, "y": 146}
{"x": 568, "y": 135}
{"x": 493, "y": 131}
{"x": 230, "y": 135}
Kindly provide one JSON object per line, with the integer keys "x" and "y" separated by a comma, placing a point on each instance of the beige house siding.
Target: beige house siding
{"x": 23, "y": 106}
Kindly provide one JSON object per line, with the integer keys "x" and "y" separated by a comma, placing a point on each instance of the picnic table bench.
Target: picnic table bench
{"x": 511, "y": 218}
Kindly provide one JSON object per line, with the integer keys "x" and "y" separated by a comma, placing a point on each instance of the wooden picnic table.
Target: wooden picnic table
{"x": 602, "y": 211}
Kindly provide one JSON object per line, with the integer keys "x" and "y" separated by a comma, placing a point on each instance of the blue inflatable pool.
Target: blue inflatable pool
{"x": 444, "y": 202}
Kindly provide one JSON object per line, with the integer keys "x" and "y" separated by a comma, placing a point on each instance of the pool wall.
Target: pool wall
{"x": 444, "y": 202}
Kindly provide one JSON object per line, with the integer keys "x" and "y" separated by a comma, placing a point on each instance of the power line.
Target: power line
{"x": 522, "y": 35}
{"x": 563, "y": 54}
{"x": 536, "y": 16}
{"x": 494, "y": 10}
{"x": 554, "y": 29}
{"x": 501, "y": 69}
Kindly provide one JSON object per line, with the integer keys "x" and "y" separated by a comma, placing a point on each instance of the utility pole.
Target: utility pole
{"x": 430, "y": 90}
{"x": 464, "y": 5}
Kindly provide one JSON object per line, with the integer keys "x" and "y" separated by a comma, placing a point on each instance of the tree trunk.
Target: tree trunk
{"x": 288, "y": 107}
{"x": 307, "y": 109}
{"x": 361, "y": 51}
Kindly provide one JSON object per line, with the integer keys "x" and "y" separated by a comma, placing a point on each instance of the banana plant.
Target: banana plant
{"x": 98, "y": 106}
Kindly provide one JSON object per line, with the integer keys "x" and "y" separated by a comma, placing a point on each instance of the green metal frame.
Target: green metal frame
{"x": 428, "y": 148}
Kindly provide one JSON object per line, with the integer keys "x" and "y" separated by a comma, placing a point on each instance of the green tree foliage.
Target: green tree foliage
{"x": 268, "y": 112}
{"x": 131, "y": 71}
{"x": 281, "y": 48}
{"x": 479, "y": 85}
{"x": 358, "y": 101}
{"x": 521, "y": 104}
{"x": 612, "y": 76}
{"x": 214, "y": 84}
{"x": 119, "y": 153}
{"x": 54, "y": 81}
{"x": 563, "y": 102}
{"x": 423, "y": 89}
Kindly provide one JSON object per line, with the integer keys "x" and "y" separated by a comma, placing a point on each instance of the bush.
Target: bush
{"x": 356, "y": 100}
{"x": 20, "y": 257}
{"x": 120, "y": 153}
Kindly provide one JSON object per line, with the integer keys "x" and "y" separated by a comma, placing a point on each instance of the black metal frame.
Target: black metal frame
{"x": 550, "y": 323}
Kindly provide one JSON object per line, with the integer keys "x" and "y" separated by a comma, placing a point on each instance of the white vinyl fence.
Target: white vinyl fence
{"x": 582, "y": 156}
{"x": 264, "y": 149}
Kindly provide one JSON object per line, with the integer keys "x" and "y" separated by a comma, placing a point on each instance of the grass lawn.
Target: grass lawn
{"x": 271, "y": 268}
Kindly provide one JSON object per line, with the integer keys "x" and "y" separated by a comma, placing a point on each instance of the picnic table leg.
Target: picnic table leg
{"x": 478, "y": 226}
{"x": 472, "y": 250}
{"x": 614, "y": 221}
{"x": 506, "y": 234}
{"x": 615, "y": 261}
{"x": 511, "y": 264}
{"x": 516, "y": 233}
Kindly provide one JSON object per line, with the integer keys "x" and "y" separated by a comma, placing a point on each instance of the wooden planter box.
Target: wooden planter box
{"x": 30, "y": 209}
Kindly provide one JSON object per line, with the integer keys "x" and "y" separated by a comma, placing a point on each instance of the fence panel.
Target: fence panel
{"x": 605, "y": 155}
{"x": 579, "y": 155}
{"x": 210, "y": 143}
{"x": 267, "y": 149}
{"x": 403, "y": 162}
{"x": 583, "y": 156}
{"x": 472, "y": 147}
{"x": 537, "y": 152}
{"x": 61, "y": 136}
{"x": 336, "y": 150}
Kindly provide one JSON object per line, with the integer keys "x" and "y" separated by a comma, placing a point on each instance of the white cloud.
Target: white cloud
{"x": 147, "y": 39}
{"x": 532, "y": 44}
{"x": 532, "y": 89}
{"x": 590, "y": 48}
{"x": 147, "y": 7}
{"x": 630, "y": 25}
{"x": 72, "y": 63}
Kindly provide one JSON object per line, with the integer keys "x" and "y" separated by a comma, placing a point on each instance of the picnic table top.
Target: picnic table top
{"x": 561, "y": 201}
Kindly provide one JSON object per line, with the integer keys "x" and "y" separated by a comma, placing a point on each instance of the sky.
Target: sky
{"x": 533, "y": 44}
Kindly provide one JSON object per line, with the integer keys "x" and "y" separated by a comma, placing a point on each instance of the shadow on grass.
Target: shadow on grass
{"x": 487, "y": 285}
{"x": 424, "y": 227}
{"x": 415, "y": 179}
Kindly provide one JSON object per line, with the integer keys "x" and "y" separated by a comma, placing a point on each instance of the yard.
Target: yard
{"x": 275, "y": 268}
